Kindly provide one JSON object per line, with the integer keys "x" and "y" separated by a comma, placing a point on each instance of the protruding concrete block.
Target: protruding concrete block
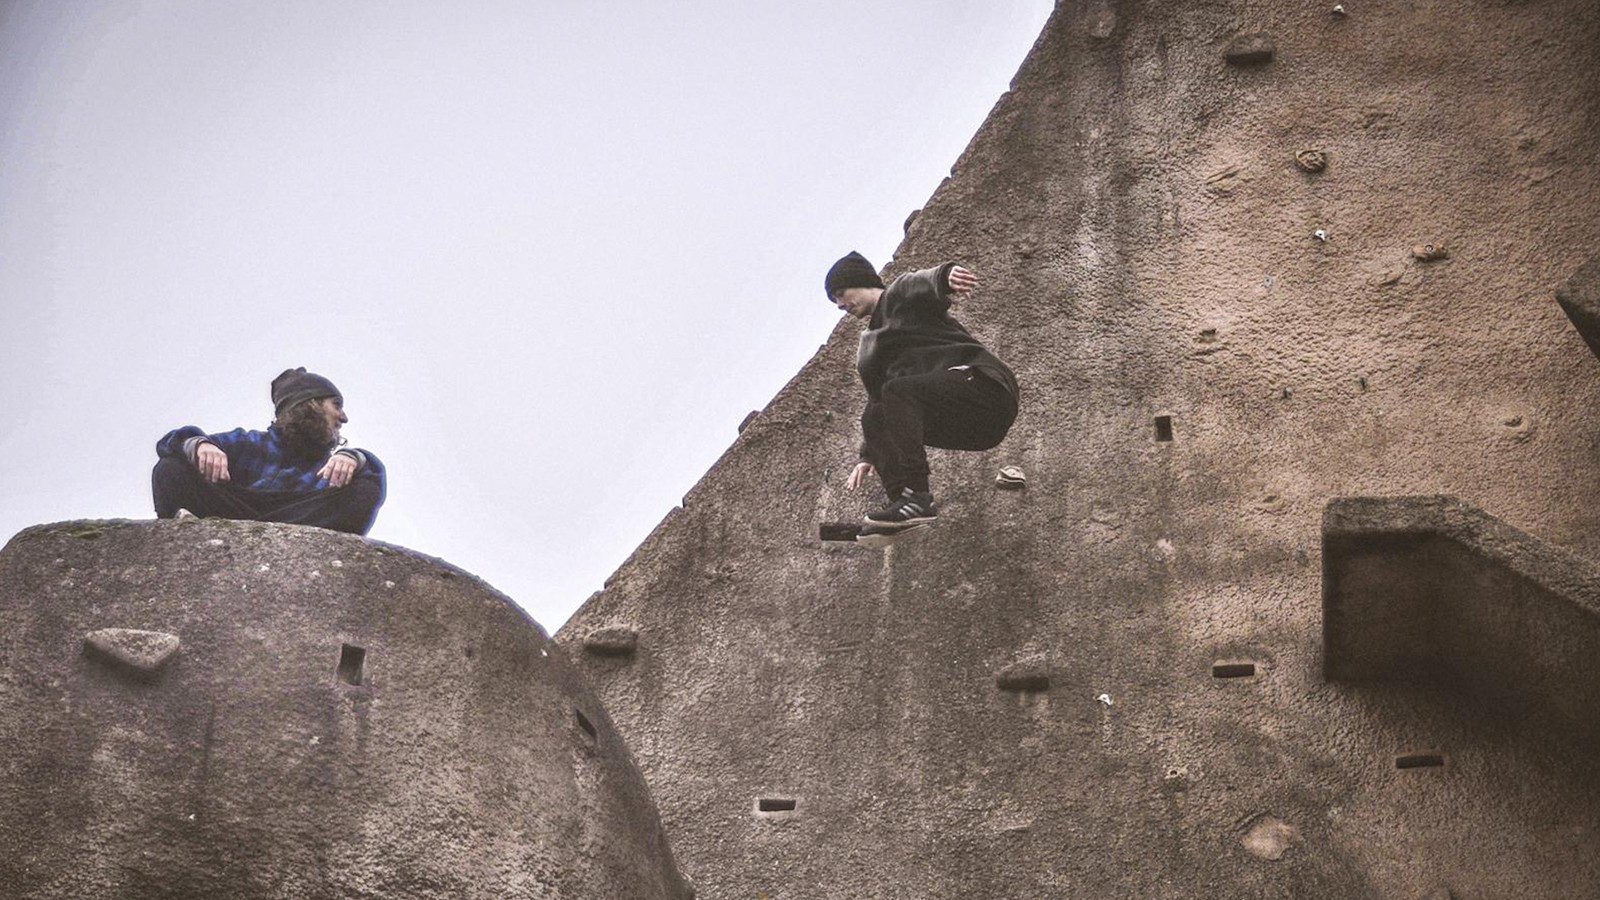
{"x": 1580, "y": 298}
{"x": 142, "y": 652}
{"x": 839, "y": 531}
{"x": 612, "y": 640}
{"x": 1250, "y": 50}
{"x": 1025, "y": 675}
{"x": 1431, "y": 590}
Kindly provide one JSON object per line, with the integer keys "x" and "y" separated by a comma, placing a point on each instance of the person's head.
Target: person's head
{"x": 853, "y": 285}
{"x": 309, "y": 410}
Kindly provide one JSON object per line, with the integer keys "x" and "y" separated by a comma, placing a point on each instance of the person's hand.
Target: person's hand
{"x": 339, "y": 469}
{"x": 212, "y": 463}
{"x": 860, "y": 473}
{"x": 962, "y": 281}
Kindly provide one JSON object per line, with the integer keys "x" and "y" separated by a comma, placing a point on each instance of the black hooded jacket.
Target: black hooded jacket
{"x": 912, "y": 333}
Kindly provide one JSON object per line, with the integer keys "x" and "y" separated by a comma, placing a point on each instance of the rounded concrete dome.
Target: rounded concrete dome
{"x": 237, "y": 709}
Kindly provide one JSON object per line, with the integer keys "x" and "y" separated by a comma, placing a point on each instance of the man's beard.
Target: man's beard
{"x": 305, "y": 430}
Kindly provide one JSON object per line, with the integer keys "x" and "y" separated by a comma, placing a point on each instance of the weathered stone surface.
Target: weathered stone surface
{"x": 347, "y": 719}
{"x": 612, "y": 640}
{"x": 1579, "y": 296}
{"x": 1432, "y": 590}
{"x": 862, "y": 682}
{"x": 143, "y": 652}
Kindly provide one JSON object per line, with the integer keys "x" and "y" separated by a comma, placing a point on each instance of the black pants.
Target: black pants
{"x": 951, "y": 410}
{"x": 177, "y": 484}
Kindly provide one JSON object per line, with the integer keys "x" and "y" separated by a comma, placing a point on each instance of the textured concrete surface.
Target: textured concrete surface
{"x": 1201, "y": 372}
{"x": 1429, "y": 589}
{"x": 208, "y": 709}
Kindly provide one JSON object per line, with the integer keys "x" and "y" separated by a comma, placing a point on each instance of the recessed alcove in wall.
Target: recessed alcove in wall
{"x": 1163, "y": 429}
{"x": 352, "y": 664}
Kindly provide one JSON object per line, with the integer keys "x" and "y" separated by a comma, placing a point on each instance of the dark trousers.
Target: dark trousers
{"x": 177, "y": 484}
{"x": 951, "y": 410}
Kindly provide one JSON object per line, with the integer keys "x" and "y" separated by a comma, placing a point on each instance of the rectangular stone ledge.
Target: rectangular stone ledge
{"x": 1433, "y": 590}
{"x": 1580, "y": 299}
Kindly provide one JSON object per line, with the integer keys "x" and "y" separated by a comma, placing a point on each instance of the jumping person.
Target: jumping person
{"x": 296, "y": 471}
{"x": 929, "y": 383}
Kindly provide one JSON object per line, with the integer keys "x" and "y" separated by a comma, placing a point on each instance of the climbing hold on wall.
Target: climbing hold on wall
{"x": 1311, "y": 160}
{"x": 1430, "y": 252}
{"x": 142, "y": 652}
{"x": 1011, "y": 478}
{"x": 1102, "y": 23}
{"x": 1339, "y": 10}
{"x": 612, "y": 640}
{"x": 1321, "y": 234}
{"x": 1249, "y": 50}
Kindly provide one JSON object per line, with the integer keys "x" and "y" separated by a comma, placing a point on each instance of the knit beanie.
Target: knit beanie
{"x": 295, "y": 385}
{"x": 851, "y": 271}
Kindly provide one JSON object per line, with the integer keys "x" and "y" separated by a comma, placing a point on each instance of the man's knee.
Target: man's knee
{"x": 169, "y": 483}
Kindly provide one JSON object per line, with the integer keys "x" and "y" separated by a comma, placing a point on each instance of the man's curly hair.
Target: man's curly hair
{"x": 305, "y": 429}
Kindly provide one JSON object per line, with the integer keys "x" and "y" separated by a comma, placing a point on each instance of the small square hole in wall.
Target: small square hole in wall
{"x": 352, "y": 664}
{"x": 776, "y": 804}
{"x": 1163, "y": 428}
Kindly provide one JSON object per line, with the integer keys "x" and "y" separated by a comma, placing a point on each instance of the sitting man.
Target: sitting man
{"x": 294, "y": 472}
{"x": 929, "y": 383}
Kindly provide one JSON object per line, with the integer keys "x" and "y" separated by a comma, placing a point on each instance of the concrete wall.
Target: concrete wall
{"x": 1149, "y": 247}
{"x": 307, "y": 714}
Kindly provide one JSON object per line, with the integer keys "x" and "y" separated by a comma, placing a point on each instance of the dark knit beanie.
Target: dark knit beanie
{"x": 851, "y": 271}
{"x": 295, "y": 385}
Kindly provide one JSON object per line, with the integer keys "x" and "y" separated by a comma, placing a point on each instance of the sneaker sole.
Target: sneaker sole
{"x": 897, "y": 526}
{"x": 877, "y": 539}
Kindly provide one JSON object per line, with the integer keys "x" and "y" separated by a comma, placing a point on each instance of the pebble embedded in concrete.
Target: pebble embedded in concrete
{"x": 1311, "y": 160}
{"x": 143, "y": 651}
{"x": 1011, "y": 478}
{"x": 1269, "y": 838}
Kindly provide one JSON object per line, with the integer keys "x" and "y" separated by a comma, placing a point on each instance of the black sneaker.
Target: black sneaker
{"x": 914, "y": 508}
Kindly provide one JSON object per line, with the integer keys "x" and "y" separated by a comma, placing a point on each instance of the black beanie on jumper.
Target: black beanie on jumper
{"x": 295, "y": 385}
{"x": 851, "y": 271}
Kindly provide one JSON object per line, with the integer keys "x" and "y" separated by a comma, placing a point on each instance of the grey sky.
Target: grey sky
{"x": 551, "y": 252}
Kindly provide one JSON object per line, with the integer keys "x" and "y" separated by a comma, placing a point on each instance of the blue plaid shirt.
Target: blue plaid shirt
{"x": 258, "y": 461}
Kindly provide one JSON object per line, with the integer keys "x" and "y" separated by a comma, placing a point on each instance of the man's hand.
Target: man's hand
{"x": 860, "y": 473}
{"x": 212, "y": 462}
{"x": 339, "y": 469}
{"x": 962, "y": 281}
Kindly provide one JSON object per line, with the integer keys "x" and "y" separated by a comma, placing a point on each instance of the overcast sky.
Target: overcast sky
{"x": 551, "y": 252}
